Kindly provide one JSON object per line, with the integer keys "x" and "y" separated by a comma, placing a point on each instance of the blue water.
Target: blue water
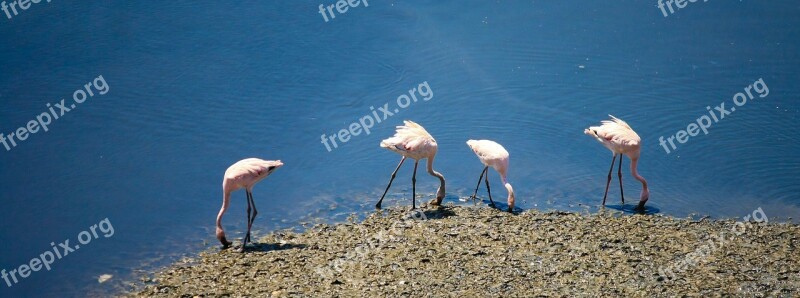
{"x": 195, "y": 86}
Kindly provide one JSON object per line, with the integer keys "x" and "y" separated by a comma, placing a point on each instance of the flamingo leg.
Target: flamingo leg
{"x": 247, "y": 235}
{"x": 414, "y": 187}
{"x": 378, "y": 205}
{"x": 252, "y": 217}
{"x": 608, "y": 183}
{"x": 619, "y": 174}
{"x": 488, "y": 189}
{"x": 475, "y": 194}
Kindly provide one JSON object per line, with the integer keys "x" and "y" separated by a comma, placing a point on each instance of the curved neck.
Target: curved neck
{"x": 435, "y": 173}
{"x": 508, "y": 188}
{"x": 635, "y": 173}
{"x": 511, "y": 197}
{"x": 226, "y": 201}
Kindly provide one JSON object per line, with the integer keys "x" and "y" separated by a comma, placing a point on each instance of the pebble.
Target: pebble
{"x": 477, "y": 251}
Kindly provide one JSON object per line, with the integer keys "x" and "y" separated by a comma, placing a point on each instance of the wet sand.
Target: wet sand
{"x": 482, "y": 252}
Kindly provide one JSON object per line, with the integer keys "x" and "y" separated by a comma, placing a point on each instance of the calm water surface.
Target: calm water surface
{"x": 196, "y": 86}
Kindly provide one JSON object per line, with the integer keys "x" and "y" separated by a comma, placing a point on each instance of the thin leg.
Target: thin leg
{"x": 252, "y": 217}
{"x": 608, "y": 183}
{"x": 489, "y": 189}
{"x": 475, "y": 195}
{"x": 378, "y": 205}
{"x": 249, "y": 216}
{"x": 414, "y": 187}
{"x": 619, "y": 174}
{"x": 247, "y": 236}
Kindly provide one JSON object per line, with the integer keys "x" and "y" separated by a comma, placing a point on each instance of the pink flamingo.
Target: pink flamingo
{"x": 412, "y": 140}
{"x": 243, "y": 174}
{"x": 620, "y": 138}
{"x": 492, "y": 155}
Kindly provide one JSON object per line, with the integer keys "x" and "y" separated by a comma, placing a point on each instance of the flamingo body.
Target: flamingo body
{"x": 621, "y": 139}
{"x": 243, "y": 174}
{"x": 411, "y": 140}
{"x": 493, "y": 155}
{"x": 490, "y": 153}
{"x": 247, "y": 172}
{"x": 617, "y": 136}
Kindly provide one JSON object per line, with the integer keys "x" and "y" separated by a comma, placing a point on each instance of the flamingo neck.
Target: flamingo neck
{"x": 435, "y": 173}
{"x": 635, "y": 172}
{"x": 226, "y": 201}
{"x": 645, "y": 191}
{"x": 440, "y": 193}
{"x": 510, "y": 190}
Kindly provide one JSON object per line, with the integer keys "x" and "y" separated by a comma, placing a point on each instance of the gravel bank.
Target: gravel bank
{"x": 477, "y": 251}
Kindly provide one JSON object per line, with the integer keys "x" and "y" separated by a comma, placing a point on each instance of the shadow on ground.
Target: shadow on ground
{"x": 267, "y": 247}
{"x": 631, "y": 209}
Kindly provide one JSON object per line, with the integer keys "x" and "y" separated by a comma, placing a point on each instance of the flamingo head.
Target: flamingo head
{"x": 440, "y": 193}
{"x": 221, "y": 238}
{"x": 511, "y": 197}
{"x": 643, "y": 199}
{"x": 274, "y": 165}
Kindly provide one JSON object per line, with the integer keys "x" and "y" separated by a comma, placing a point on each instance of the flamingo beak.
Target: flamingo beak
{"x": 225, "y": 242}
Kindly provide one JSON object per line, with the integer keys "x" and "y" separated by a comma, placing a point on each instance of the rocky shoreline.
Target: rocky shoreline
{"x": 481, "y": 252}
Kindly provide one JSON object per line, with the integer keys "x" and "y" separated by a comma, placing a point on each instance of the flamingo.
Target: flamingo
{"x": 243, "y": 174}
{"x": 412, "y": 140}
{"x": 492, "y": 155}
{"x": 619, "y": 137}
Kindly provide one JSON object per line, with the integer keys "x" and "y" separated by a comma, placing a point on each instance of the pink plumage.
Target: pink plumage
{"x": 616, "y": 135}
{"x": 411, "y": 140}
{"x": 243, "y": 174}
{"x": 620, "y": 138}
{"x": 492, "y": 154}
